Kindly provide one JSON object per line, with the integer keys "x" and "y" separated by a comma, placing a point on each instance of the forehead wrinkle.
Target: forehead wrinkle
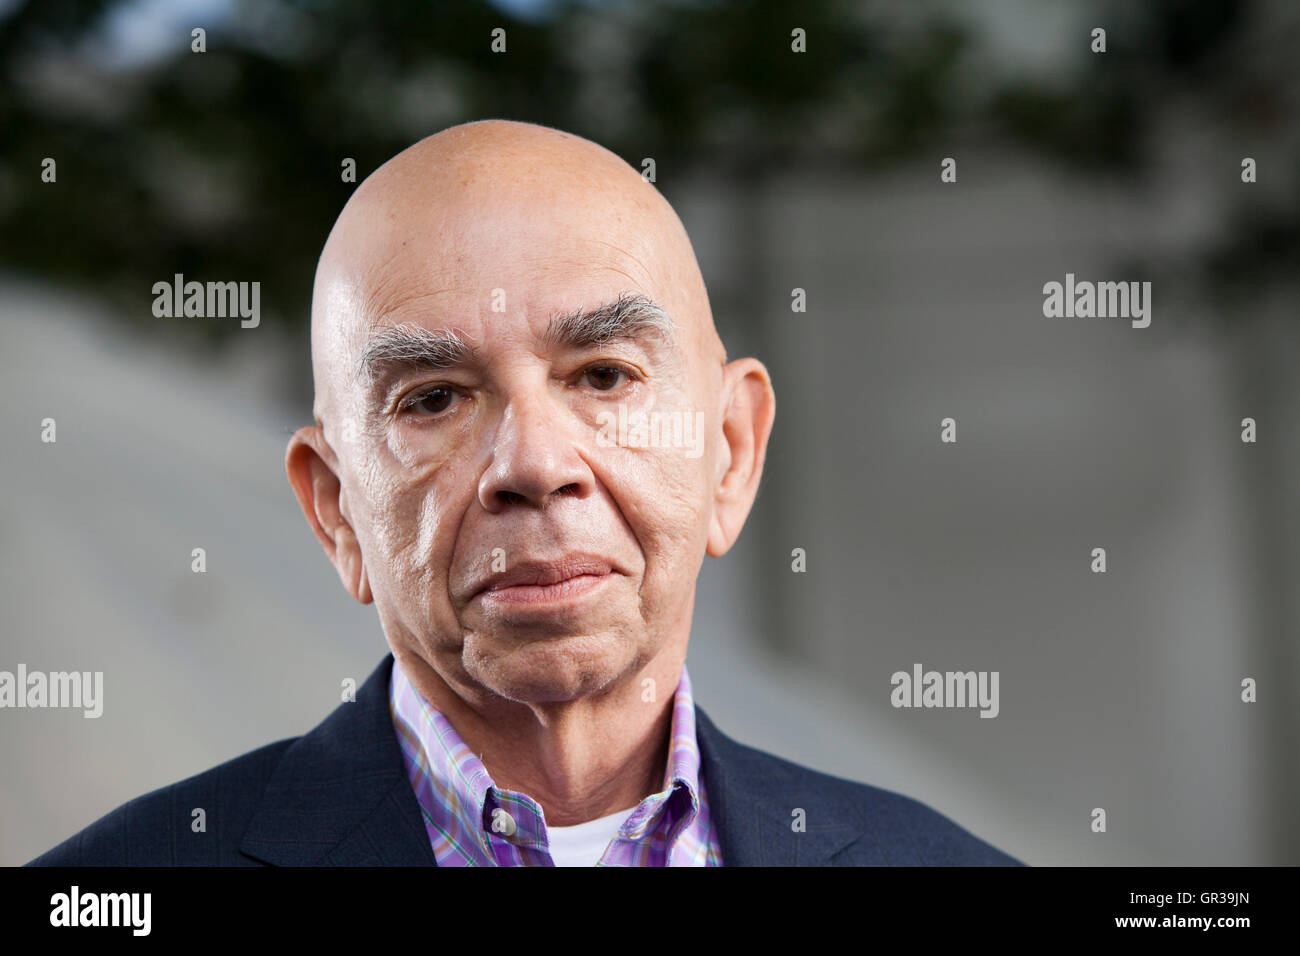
{"x": 390, "y": 295}
{"x": 622, "y": 273}
{"x": 621, "y": 251}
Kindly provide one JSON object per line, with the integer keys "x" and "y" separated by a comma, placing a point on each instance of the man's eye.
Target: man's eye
{"x": 604, "y": 378}
{"x": 432, "y": 401}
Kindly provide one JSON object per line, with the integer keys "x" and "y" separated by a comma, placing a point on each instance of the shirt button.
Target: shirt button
{"x": 503, "y": 822}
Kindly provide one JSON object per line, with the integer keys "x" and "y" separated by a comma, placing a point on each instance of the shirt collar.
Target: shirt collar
{"x": 451, "y": 780}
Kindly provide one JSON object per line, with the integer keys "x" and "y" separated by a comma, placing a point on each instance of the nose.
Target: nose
{"x": 534, "y": 459}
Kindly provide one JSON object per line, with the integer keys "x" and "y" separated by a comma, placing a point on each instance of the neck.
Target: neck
{"x": 579, "y": 759}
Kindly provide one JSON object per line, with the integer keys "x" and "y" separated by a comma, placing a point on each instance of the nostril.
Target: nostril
{"x": 571, "y": 490}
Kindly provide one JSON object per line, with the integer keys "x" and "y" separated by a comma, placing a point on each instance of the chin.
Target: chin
{"x": 550, "y": 670}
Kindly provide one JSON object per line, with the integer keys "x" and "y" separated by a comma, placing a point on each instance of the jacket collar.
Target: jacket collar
{"x": 340, "y": 797}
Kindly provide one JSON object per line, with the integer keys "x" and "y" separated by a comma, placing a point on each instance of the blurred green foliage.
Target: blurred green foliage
{"x": 227, "y": 164}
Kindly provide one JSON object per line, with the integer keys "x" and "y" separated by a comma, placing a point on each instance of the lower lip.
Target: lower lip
{"x": 525, "y": 595}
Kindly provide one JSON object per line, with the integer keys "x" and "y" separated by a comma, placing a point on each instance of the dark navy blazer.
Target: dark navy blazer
{"x": 339, "y": 796}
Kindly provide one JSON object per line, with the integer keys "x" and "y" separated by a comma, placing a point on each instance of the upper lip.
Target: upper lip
{"x": 542, "y": 573}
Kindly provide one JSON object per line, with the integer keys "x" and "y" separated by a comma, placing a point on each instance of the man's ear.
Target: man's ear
{"x": 747, "y": 420}
{"x": 320, "y": 495}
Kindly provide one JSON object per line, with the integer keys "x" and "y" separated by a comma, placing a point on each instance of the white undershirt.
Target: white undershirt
{"x": 584, "y": 844}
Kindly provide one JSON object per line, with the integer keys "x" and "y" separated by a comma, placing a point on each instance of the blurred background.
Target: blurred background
{"x": 817, "y": 170}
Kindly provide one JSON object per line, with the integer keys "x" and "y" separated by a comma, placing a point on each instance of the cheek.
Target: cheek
{"x": 659, "y": 455}
{"x": 413, "y": 507}
{"x": 672, "y": 510}
{"x": 665, "y": 496}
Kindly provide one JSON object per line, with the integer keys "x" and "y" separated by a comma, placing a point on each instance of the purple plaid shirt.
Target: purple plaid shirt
{"x": 457, "y": 797}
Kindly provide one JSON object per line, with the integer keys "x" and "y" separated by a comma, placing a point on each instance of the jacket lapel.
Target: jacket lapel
{"x": 339, "y": 796}
{"x": 752, "y": 799}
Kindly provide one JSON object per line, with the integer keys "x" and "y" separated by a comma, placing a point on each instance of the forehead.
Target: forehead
{"x": 509, "y": 252}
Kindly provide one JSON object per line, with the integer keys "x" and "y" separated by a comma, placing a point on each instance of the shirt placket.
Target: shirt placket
{"x": 512, "y": 830}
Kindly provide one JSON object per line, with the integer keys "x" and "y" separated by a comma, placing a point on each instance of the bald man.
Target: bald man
{"x": 527, "y": 437}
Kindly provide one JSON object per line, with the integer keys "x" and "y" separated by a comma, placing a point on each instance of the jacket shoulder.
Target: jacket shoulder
{"x": 907, "y": 832}
{"x": 161, "y": 827}
{"x": 895, "y": 829}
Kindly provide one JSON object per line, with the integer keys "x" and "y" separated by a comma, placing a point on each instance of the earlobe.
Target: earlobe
{"x": 363, "y": 586}
{"x": 720, "y": 539}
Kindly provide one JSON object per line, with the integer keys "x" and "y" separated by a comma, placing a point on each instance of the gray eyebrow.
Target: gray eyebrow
{"x": 410, "y": 346}
{"x": 631, "y": 316}
{"x": 413, "y": 347}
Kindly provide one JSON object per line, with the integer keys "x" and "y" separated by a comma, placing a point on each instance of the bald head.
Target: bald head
{"x": 452, "y": 225}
